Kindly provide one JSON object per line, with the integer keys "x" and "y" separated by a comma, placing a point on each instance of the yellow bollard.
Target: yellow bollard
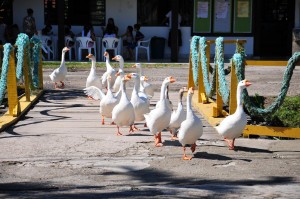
{"x": 12, "y": 94}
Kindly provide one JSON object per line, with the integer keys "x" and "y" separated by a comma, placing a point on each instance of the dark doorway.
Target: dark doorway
{"x": 273, "y": 26}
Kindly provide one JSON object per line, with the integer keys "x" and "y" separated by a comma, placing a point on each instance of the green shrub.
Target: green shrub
{"x": 288, "y": 114}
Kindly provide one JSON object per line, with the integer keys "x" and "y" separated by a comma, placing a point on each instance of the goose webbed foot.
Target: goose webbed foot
{"x": 158, "y": 142}
{"x": 90, "y": 97}
{"x": 132, "y": 128}
{"x": 174, "y": 137}
{"x": 230, "y": 143}
{"x": 102, "y": 120}
{"x": 118, "y": 132}
{"x": 185, "y": 157}
{"x": 62, "y": 84}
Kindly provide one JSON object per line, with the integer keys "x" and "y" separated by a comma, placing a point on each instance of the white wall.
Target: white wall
{"x": 20, "y": 11}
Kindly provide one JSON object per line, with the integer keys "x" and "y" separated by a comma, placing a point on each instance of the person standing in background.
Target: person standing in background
{"x": 29, "y": 26}
{"x": 169, "y": 17}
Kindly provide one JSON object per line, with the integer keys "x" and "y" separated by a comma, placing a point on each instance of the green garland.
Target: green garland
{"x": 7, "y": 48}
{"x": 223, "y": 88}
{"x": 253, "y": 110}
{"x": 22, "y": 43}
{"x": 195, "y": 58}
{"x": 210, "y": 88}
{"x": 36, "y": 60}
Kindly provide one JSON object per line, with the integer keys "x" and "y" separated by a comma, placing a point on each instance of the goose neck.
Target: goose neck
{"x": 63, "y": 58}
{"x": 189, "y": 110}
{"x": 163, "y": 91}
{"x": 137, "y": 84}
{"x": 123, "y": 89}
{"x": 239, "y": 97}
{"x": 93, "y": 65}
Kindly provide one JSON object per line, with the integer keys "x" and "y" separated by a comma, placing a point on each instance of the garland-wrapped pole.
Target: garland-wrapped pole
{"x": 36, "y": 49}
{"x": 8, "y": 79}
{"x": 24, "y": 61}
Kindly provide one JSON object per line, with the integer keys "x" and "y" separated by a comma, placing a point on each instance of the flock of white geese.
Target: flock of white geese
{"x": 125, "y": 110}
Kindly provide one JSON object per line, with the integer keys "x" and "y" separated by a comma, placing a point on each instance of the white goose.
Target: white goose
{"x": 59, "y": 74}
{"x": 140, "y": 102}
{"x": 93, "y": 79}
{"x": 110, "y": 71}
{"x": 146, "y": 87}
{"x": 191, "y": 128}
{"x": 178, "y": 115}
{"x": 233, "y": 125}
{"x": 117, "y": 83}
{"x": 108, "y": 100}
{"x": 123, "y": 112}
{"x": 159, "y": 118}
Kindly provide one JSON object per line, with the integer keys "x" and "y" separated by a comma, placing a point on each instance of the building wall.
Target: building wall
{"x": 124, "y": 13}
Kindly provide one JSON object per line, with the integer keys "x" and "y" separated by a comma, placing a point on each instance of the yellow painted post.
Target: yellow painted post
{"x": 190, "y": 81}
{"x": 201, "y": 90}
{"x": 26, "y": 76}
{"x": 12, "y": 94}
{"x": 217, "y": 109}
{"x": 233, "y": 87}
{"x": 41, "y": 80}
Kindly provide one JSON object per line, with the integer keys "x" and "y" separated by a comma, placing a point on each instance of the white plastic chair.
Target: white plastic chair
{"x": 83, "y": 43}
{"x": 47, "y": 48}
{"x": 110, "y": 44}
{"x": 70, "y": 46}
{"x": 144, "y": 44}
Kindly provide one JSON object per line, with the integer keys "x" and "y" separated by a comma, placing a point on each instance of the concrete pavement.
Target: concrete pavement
{"x": 61, "y": 150}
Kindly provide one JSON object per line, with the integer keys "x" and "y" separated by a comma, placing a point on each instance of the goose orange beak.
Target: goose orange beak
{"x": 172, "y": 79}
{"x": 114, "y": 58}
{"x": 146, "y": 78}
{"x": 89, "y": 56}
{"x": 191, "y": 89}
{"x": 247, "y": 83}
{"x": 127, "y": 77}
{"x": 105, "y": 53}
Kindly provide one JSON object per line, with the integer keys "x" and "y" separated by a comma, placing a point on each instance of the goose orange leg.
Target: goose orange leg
{"x": 119, "y": 133}
{"x": 158, "y": 142}
{"x": 62, "y": 84}
{"x": 102, "y": 120}
{"x": 230, "y": 143}
{"x": 185, "y": 157}
{"x": 173, "y": 137}
{"x": 132, "y": 128}
{"x": 193, "y": 147}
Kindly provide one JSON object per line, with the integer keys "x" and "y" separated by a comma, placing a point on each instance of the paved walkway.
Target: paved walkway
{"x": 61, "y": 150}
